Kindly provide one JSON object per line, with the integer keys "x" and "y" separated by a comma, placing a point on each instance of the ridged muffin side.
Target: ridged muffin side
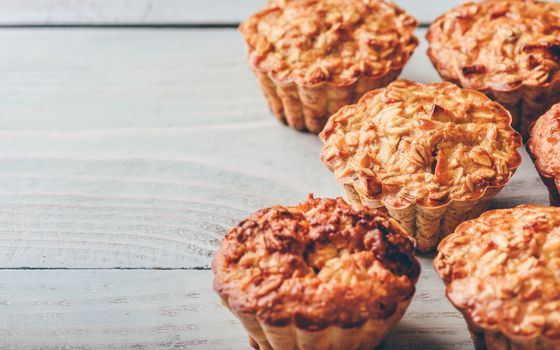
{"x": 434, "y": 155}
{"x": 313, "y": 57}
{"x": 319, "y": 275}
{"x": 502, "y": 271}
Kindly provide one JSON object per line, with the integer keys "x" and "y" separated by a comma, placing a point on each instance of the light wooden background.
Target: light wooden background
{"x": 132, "y": 136}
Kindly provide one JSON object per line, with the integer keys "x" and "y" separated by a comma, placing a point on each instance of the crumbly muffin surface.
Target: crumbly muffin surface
{"x": 421, "y": 144}
{"x": 503, "y": 270}
{"x": 498, "y": 44}
{"x": 312, "y": 41}
{"x": 544, "y": 144}
{"x": 317, "y": 264}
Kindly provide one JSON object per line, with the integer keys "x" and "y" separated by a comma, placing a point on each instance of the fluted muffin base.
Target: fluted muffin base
{"x": 307, "y": 108}
{"x": 290, "y": 337}
{"x": 497, "y": 340}
{"x": 428, "y": 225}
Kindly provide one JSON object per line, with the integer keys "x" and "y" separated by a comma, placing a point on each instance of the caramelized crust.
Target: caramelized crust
{"x": 421, "y": 144}
{"x": 312, "y": 41}
{"x": 502, "y": 271}
{"x": 317, "y": 264}
{"x": 498, "y": 44}
{"x": 544, "y": 148}
{"x": 507, "y": 49}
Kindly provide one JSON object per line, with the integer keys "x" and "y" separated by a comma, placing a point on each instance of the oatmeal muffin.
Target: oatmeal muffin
{"x": 319, "y": 275}
{"x": 510, "y": 50}
{"x": 312, "y": 57}
{"x": 544, "y": 148}
{"x": 502, "y": 272}
{"x": 433, "y": 155}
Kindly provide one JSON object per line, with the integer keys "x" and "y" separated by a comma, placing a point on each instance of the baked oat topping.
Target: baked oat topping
{"x": 498, "y": 44}
{"x": 425, "y": 144}
{"x": 503, "y": 270}
{"x": 314, "y": 41}
{"x": 544, "y": 144}
{"x": 319, "y": 263}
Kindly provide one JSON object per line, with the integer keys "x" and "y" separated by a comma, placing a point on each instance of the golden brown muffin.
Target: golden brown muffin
{"x": 319, "y": 275}
{"x": 433, "y": 155}
{"x": 544, "y": 148}
{"x": 510, "y": 50}
{"x": 312, "y": 57}
{"x": 502, "y": 272}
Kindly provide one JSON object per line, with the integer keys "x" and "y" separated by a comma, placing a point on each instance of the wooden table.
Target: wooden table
{"x": 132, "y": 136}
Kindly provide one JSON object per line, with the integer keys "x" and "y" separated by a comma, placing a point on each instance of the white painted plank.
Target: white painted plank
{"x": 95, "y": 12}
{"x": 118, "y": 12}
{"x": 136, "y": 80}
{"x": 165, "y": 12}
{"x": 146, "y": 309}
{"x": 140, "y": 148}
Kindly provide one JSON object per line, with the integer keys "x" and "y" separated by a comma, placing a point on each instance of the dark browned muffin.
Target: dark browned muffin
{"x": 317, "y": 275}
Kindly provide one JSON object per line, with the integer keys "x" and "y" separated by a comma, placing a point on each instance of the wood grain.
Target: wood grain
{"x": 126, "y": 12}
{"x": 137, "y": 149}
{"x": 142, "y": 155}
{"x": 170, "y": 12}
{"x": 146, "y": 309}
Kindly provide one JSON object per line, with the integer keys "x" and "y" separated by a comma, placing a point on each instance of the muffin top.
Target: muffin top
{"x": 503, "y": 270}
{"x": 498, "y": 44}
{"x": 315, "y": 41}
{"x": 544, "y": 144}
{"x": 316, "y": 264}
{"x": 412, "y": 143}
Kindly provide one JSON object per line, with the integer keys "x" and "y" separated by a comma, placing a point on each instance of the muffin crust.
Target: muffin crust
{"x": 498, "y": 43}
{"x": 544, "y": 148}
{"x": 312, "y": 42}
{"x": 421, "y": 144}
{"x": 502, "y": 271}
{"x": 509, "y": 50}
{"x": 316, "y": 264}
